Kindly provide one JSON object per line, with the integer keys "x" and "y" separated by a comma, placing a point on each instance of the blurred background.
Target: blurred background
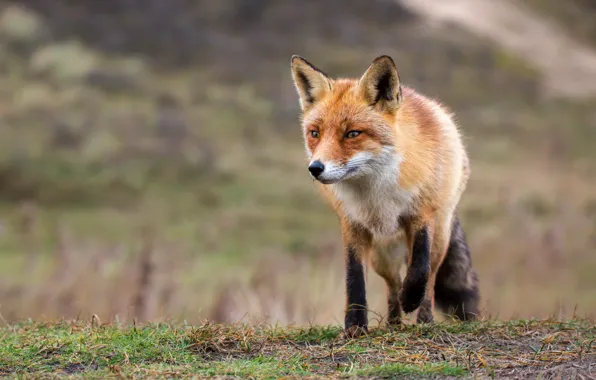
{"x": 152, "y": 164}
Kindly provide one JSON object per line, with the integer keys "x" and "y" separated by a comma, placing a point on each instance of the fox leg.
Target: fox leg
{"x": 385, "y": 261}
{"x": 357, "y": 244}
{"x": 456, "y": 286}
{"x": 420, "y": 237}
{"x": 425, "y": 311}
{"x": 440, "y": 247}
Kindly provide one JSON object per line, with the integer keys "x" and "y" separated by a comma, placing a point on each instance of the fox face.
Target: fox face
{"x": 348, "y": 124}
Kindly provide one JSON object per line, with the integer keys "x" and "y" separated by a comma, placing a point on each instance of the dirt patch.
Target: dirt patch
{"x": 569, "y": 370}
{"x": 569, "y": 67}
{"x": 73, "y": 368}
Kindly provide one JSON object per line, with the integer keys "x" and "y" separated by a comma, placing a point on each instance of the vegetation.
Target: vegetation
{"x": 150, "y": 178}
{"x": 515, "y": 349}
{"x": 159, "y": 175}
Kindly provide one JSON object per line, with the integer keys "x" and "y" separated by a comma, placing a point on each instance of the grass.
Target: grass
{"x": 130, "y": 190}
{"x": 444, "y": 350}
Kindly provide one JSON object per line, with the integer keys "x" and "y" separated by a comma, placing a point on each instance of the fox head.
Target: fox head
{"x": 348, "y": 123}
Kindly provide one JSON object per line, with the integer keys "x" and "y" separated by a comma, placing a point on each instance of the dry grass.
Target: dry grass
{"x": 525, "y": 244}
{"x": 516, "y": 349}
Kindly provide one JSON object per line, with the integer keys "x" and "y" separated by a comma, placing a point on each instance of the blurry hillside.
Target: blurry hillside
{"x": 152, "y": 165}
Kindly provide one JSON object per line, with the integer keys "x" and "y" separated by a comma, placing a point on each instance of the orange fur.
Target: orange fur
{"x": 408, "y": 152}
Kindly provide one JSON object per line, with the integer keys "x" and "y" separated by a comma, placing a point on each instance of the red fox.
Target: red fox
{"x": 392, "y": 164}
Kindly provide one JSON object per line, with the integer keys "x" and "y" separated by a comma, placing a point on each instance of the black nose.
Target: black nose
{"x": 316, "y": 168}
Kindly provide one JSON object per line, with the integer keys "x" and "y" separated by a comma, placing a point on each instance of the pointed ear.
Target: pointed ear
{"x": 380, "y": 85}
{"x": 311, "y": 83}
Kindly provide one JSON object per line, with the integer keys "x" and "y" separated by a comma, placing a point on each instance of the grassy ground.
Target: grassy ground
{"x": 527, "y": 349}
{"x": 130, "y": 189}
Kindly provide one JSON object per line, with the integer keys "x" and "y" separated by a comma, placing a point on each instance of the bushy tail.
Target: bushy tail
{"x": 456, "y": 287}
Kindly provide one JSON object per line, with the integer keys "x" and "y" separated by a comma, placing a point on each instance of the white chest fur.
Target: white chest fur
{"x": 376, "y": 202}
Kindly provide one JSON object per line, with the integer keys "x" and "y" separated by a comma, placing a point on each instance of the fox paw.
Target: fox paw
{"x": 355, "y": 331}
{"x": 412, "y": 293}
{"x": 425, "y": 312}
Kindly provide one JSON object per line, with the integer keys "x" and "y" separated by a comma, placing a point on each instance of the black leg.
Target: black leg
{"x": 414, "y": 286}
{"x": 456, "y": 287}
{"x": 356, "y": 314}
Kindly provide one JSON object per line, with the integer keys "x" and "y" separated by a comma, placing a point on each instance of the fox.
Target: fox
{"x": 392, "y": 164}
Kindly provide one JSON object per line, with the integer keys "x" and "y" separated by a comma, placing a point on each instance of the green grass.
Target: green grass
{"x": 393, "y": 370}
{"x": 444, "y": 350}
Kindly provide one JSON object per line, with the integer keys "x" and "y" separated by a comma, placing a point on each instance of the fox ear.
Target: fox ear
{"x": 380, "y": 84}
{"x": 311, "y": 83}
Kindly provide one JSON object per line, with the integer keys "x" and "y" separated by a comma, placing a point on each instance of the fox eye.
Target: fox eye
{"x": 352, "y": 134}
{"x": 314, "y": 134}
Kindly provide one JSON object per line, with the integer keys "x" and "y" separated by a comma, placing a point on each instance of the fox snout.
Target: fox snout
{"x": 316, "y": 168}
{"x": 326, "y": 172}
